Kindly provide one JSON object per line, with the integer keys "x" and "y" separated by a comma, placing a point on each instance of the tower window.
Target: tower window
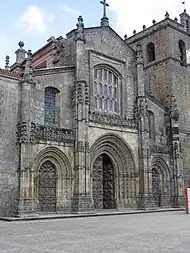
{"x": 182, "y": 50}
{"x": 151, "y": 52}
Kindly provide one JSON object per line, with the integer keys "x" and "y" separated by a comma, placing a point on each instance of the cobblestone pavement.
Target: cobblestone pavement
{"x": 156, "y": 232}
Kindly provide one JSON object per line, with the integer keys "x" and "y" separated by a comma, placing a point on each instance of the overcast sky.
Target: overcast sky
{"x": 34, "y": 21}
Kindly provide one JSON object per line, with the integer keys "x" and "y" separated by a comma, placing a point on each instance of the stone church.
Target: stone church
{"x": 92, "y": 121}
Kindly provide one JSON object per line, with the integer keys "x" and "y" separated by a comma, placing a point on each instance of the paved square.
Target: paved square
{"x": 157, "y": 232}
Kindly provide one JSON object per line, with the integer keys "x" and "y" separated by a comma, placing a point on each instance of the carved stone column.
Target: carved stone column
{"x": 176, "y": 152}
{"x": 145, "y": 197}
{"x": 82, "y": 197}
{"x": 24, "y": 145}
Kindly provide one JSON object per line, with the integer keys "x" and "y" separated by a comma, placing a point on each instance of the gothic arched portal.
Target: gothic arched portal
{"x": 114, "y": 178}
{"x": 161, "y": 183}
{"x": 47, "y": 187}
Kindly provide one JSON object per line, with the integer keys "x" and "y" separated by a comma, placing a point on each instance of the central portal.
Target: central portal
{"x": 103, "y": 183}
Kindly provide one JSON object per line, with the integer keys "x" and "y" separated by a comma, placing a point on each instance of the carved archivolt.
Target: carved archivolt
{"x": 117, "y": 150}
{"x": 125, "y": 172}
{"x": 57, "y": 157}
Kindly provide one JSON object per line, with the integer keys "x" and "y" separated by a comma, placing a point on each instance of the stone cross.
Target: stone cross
{"x": 105, "y": 5}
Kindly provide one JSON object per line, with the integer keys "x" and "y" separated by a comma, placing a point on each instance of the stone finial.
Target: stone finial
{"x": 185, "y": 11}
{"x": 80, "y": 24}
{"x": 144, "y": 27}
{"x": 176, "y": 19}
{"x": 125, "y": 37}
{"x": 20, "y": 53}
{"x": 28, "y": 71}
{"x": 134, "y": 32}
{"x": 167, "y": 15}
{"x": 29, "y": 53}
{"x": 153, "y": 21}
{"x": 7, "y": 59}
{"x": 80, "y": 29}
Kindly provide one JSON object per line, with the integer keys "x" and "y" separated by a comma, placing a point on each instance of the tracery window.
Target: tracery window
{"x": 50, "y": 105}
{"x": 106, "y": 90}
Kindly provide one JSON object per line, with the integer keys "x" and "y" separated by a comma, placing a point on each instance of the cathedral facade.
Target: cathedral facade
{"x": 93, "y": 121}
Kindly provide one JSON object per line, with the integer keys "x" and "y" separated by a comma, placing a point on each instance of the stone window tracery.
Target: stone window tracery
{"x": 106, "y": 90}
{"x": 50, "y": 105}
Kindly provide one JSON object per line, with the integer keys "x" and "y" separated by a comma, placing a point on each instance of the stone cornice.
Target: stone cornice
{"x": 54, "y": 70}
{"x": 10, "y": 74}
{"x": 154, "y": 63}
{"x": 157, "y": 27}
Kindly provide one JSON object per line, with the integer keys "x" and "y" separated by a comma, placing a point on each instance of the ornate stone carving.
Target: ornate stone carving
{"x": 86, "y": 94}
{"x": 112, "y": 119}
{"x": 48, "y": 133}
{"x": 139, "y": 54}
{"x": 80, "y": 30}
{"x": 173, "y": 109}
{"x": 59, "y": 54}
{"x": 80, "y": 96}
{"x": 82, "y": 146}
{"x": 21, "y": 132}
{"x": 74, "y": 97}
{"x": 28, "y": 75}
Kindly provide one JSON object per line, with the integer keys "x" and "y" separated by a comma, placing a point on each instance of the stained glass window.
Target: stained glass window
{"x": 50, "y": 105}
{"x": 106, "y": 90}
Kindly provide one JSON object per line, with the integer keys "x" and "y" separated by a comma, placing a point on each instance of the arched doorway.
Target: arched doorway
{"x": 103, "y": 179}
{"x": 161, "y": 182}
{"x": 156, "y": 186}
{"x": 47, "y": 187}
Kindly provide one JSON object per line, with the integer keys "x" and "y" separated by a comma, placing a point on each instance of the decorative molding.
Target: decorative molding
{"x": 53, "y": 70}
{"x": 21, "y": 133}
{"x": 43, "y": 133}
{"x": 49, "y": 133}
{"x": 112, "y": 119}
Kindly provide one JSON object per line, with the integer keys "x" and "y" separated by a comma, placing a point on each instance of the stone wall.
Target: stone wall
{"x": 8, "y": 148}
{"x": 61, "y": 78}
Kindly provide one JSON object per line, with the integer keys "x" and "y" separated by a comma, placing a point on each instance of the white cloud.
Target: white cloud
{"x": 132, "y": 15}
{"x": 35, "y": 19}
{"x": 69, "y": 10}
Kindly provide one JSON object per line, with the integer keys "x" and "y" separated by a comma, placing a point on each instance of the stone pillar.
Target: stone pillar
{"x": 82, "y": 197}
{"x": 178, "y": 180}
{"x": 24, "y": 141}
{"x": 145, "y": 197}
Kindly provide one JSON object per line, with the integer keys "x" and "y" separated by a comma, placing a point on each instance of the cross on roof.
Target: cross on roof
{"x": 105, "y": 5}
